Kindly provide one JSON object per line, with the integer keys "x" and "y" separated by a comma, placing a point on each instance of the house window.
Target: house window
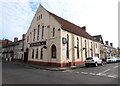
{"x": 67, "y": 52}
{"x": 77, "y": 48}
{"x": 27, "y": 38}
{"x": 34, "y": 35}
{"x": 53, "y": 51}
{"x": 96, "y": 45}
{"x": 37, "y": 53}
{"x": 38, "y": 33}
{"x": 91, "y": 50}
{"x": 41, "y": 16}
{"x": 53, "y": 32}
{"x": 85, "y": 50}
{"x": 42, "y": 31}
{"x": 41, "y": 56}
{"x": 37, "y": 18}
{"x": 33, "y": 54}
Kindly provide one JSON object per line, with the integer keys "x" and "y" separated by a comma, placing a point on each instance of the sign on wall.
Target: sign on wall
{"x": 64, "y": 40}
{"x": 38, "y": 43}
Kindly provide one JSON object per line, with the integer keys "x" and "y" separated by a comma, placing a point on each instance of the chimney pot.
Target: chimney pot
{"x": 111, "y": 44}
{"x": 15, "y": 39}
{"x": 84, "y": 28}
{"x": 23, "y": 36}
{"x": 106, "y": 42}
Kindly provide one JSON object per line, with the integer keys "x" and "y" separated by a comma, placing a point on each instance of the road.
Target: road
{"x": 17, "y": 74}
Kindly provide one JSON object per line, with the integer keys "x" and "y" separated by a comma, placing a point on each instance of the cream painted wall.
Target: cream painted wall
{"x": 47, "y": 20}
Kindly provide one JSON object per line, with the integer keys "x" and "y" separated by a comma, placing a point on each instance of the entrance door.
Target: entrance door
{"x": 26, "y": 55}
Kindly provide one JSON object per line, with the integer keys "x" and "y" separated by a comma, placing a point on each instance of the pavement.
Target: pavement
{"x": 51, "y": 68}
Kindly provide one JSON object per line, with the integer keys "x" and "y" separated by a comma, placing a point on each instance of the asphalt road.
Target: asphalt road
{"x": 17, "y": 74}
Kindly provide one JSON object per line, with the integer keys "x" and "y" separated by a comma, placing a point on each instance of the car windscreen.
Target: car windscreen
{"x": 89, "y": 58}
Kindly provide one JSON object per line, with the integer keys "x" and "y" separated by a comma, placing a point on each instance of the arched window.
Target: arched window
{"x": 41, "y": 56}
{"x": 53, "y": 51}
{"x": 85, "y": 49}
{"x": 32, "y": 53}
{"x": 38, "y": 33}
{"x": 91, "y": 50}
{"x": 53, "y": 32}
{"x": 42, "y": 31}
{"x": 37, "y": 53}
{"x": 77, "y": 48}
{"x": 67, "y": 50}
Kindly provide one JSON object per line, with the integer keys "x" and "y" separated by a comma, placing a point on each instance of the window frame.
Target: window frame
{"x": 37, "y": 53}
{"x": 32, "y": 53}
{"x": 78, "y": 56}
{"x": 53, "y": 52}
{"x": 41, "y": 54}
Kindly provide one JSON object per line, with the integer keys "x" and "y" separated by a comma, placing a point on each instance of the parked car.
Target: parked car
{"x": 93, "y": 61}
{"x": 111, "y": 59}
{"x": 118, "y": 59}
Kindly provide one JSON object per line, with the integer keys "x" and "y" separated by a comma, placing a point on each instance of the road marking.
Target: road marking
{"x": 102, "y": 73}
{"x": 112, "y": 76}
{"x": 64, "y": 71}
{"x": 84, "y": 72}
{"x": 115, "y": 67}
{"x": 92, "y": 73}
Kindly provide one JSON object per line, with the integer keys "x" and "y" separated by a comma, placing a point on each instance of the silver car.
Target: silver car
{"x": 111, "y": 59}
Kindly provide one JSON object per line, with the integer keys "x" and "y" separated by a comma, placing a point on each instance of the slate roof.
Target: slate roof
{"x": 68, "y": 26}
{"x": 98, "y": 37}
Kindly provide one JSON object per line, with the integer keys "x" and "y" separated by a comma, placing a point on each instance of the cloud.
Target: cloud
{"x": 16, "y": 18}
{"x": 100, "y": 16}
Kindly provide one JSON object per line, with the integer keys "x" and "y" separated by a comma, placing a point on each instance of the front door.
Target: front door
{"x": 26, "y": 55}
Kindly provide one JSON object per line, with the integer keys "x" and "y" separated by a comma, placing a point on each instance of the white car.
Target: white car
{"x": 93, "y": 61}
{"x": 111, "y": 59}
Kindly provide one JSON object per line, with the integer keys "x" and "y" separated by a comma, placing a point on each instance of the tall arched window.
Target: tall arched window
{"x": 85, "y": 49}
{"x": 37, "y": 53}
{"x": 53, "y": 51}
{"x": 67, "y": 52}
{"x": 41, "y": 56}
{"x": 77, "y": 48}
{"x": 42, "y": 31}
{"x": 38, "y": 33}
{"x": 32, "y": 53}
{"x": 53, "y": 32}
{"x": 91, "y": 50}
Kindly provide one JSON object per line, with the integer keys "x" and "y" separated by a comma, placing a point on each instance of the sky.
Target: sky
{"x": 99, "y": 16}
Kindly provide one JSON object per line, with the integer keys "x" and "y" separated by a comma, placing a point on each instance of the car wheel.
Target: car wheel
{"x": 86, "y": 65}
{"x": 96, "y": 64}
{"x": 102, "y": 64}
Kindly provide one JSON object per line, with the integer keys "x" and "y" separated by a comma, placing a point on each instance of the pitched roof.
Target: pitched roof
{"x": 12, "y": 44}
{"x": 68, "y": 26}
{"x": 98, "y": 38}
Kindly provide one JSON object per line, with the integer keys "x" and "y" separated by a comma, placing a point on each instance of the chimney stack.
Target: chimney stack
{"x": 9, "y": 42}
{"x": 15, "y": 39}
{"x": 84, "y": 28}
{"x": 23, "y": 36}
{"x": 106, "y": 42}
{"x": 111, "y": 44}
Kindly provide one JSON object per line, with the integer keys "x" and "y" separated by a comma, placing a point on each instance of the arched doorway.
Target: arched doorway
{"x": 26, "y": 55}
{"x": 53, "y": 51}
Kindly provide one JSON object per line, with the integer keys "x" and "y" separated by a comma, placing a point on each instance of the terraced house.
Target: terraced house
{"x": 52, "y": 40}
